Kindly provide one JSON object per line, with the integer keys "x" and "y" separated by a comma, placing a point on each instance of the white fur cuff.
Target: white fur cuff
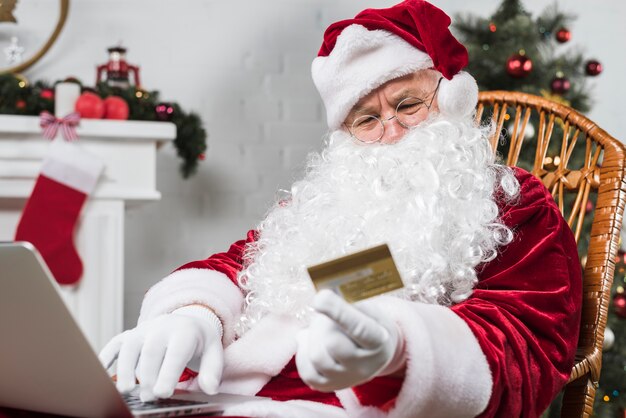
{"x": 447, "y": 374}
{"x": 201, "y": 286}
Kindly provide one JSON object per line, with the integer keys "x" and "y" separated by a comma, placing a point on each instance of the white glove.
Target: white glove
{"x": 159, "y": 349}
{"x": 346, "y": 345}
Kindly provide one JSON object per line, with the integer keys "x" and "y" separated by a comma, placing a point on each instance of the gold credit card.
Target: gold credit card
{"x": 358, "y": 276}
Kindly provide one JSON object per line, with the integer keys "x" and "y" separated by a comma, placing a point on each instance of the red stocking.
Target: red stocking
{"x": 68, "y": 175}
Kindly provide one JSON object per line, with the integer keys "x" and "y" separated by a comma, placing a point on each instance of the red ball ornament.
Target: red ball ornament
{"x": 563, "y": 35}
{"x": 593, "y": 68}
{"x": 115, "y": 108}
{"x": 47, "y": 94}
{"x": 90, "y": 106}
{"x": 202, "y": 157}
{"x": 619, "y": 305}
{"x": 164, "y": 111}
{"x": 560, "y": 85}
{"x": 589, "y": 206}
{"x": 519, "y": 66}
{"x": 20, "y": 104}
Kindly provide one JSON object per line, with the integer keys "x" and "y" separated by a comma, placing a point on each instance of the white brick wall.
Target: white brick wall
{"x": 244, "y": 66}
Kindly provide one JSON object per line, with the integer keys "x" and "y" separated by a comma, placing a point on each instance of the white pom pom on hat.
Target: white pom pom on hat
{"x": 459, "y": 96}
{"x": 361, "y": 54}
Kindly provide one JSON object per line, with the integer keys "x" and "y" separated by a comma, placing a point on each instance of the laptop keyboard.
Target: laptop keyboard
{"x": 134, "y": 403}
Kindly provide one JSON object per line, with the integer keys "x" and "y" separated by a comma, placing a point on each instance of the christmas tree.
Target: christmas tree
{"x": 512, "y": 50}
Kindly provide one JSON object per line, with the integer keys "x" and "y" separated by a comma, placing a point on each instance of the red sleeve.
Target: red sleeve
{"x": 525, "y": 311}
{"x": 229, "y": 262}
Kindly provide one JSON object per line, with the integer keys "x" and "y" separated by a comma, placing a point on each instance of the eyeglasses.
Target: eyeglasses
{"x": 410, "y": 112}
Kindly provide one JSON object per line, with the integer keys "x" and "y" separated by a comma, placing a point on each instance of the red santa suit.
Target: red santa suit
{"x": 503, "y": 352}
{"x": 506, "y": 351}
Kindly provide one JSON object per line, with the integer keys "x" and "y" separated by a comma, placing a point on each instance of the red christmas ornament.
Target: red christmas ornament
{"x": 519, "y": 65}
{"x": 619, "y": 305}
{"x": 563, "y": 35}
{"x": 20, "y": 104}
{"x": 90, "y": 106}
{"x": 560, "y": 85}
{"x": 589, "y": 206}
{"x": 493, "y": 27}
{"x": 164, "y": 111}
{"x": 115, "y": 108}
{"x": 202, "y": 157}
{"x": 47, "y": 94}
{"x": 593, "y": 68}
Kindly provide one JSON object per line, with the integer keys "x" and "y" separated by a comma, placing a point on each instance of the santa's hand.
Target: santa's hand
{"x": 159, "y": 349}
{"x": 345, "y": 346}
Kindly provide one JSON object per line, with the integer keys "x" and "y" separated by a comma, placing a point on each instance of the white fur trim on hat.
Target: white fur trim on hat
{"x": 361, "y": 61}
{"x": 459, "y": 96}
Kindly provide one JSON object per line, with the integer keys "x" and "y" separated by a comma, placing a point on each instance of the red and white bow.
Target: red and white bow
{"x": 50, "y": 125}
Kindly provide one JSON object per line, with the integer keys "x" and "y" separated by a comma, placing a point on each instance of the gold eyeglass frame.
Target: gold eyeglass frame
{"x": 382, "y": 121}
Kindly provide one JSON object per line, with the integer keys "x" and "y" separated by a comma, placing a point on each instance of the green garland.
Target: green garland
{"x": 19, "y": 97}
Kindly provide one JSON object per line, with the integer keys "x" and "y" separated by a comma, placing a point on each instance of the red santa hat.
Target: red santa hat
{"x": 378, "y": 45}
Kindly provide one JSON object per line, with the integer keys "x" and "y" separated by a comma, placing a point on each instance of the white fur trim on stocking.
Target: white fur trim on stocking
{"x": 458, "y": 97}
{"x": 201, "y": 286}
{"x": 447, "y": 374}
{"x": 361, "y": 61}
{"x": 72, "y": 166}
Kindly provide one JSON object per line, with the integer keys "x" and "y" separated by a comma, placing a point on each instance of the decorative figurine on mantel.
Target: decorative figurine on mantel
{"x": 118, "y": 69}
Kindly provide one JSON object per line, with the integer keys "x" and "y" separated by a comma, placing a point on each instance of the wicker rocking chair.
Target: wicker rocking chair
{"x": 601, "y": 174}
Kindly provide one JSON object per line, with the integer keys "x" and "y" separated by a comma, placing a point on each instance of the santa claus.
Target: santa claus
{"x": 488, "y": 320}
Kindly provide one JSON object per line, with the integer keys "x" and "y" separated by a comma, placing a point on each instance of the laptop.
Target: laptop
{"x": 46, "y": 363}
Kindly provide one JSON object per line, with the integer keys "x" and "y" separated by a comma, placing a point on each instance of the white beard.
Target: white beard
{"x": 430, "y": 197}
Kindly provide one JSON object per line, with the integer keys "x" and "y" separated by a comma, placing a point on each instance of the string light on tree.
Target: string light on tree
{"x": 529, "y": 131}
{"x": 609, "y": 339}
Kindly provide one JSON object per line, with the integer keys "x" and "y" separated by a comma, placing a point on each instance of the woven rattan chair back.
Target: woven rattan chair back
{"x": 600, "y": 176}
